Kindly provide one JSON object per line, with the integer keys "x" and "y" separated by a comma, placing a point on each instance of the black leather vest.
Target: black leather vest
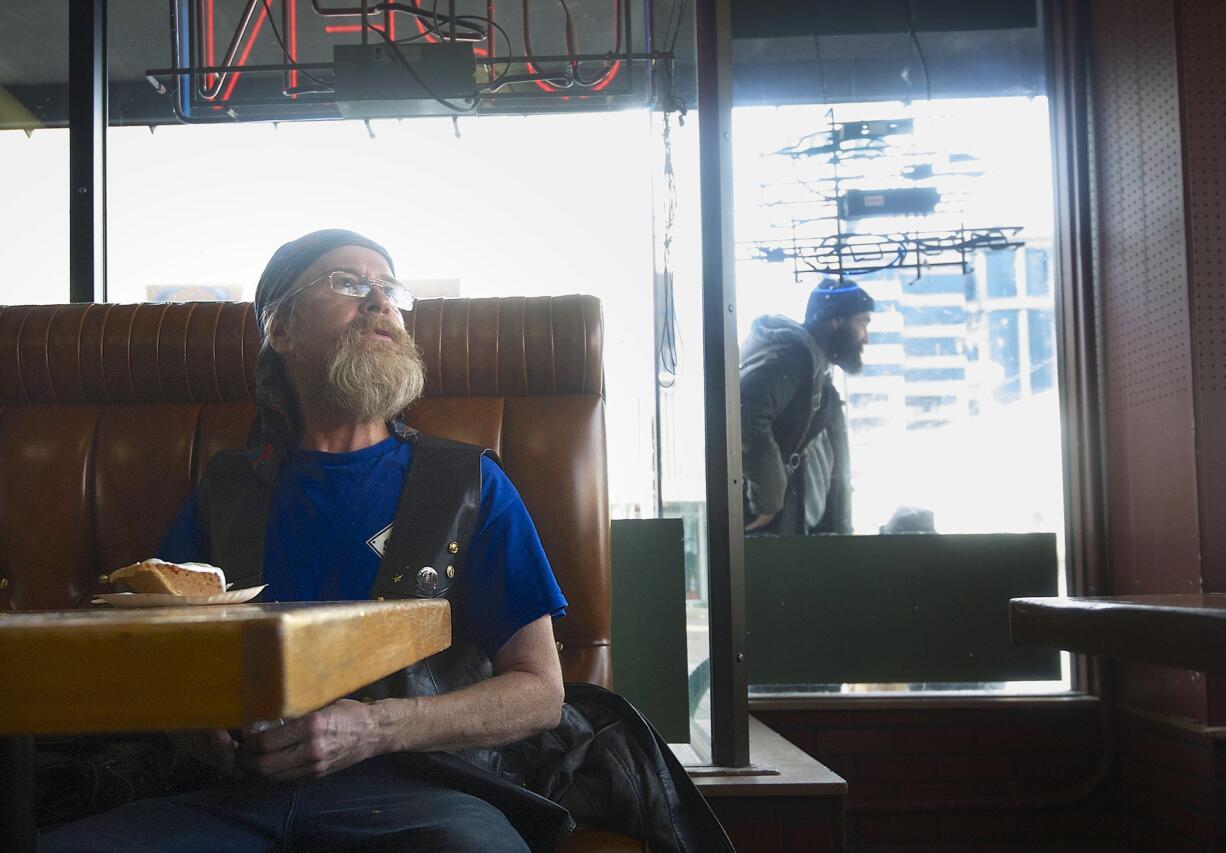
{"x": 424, "y": 557}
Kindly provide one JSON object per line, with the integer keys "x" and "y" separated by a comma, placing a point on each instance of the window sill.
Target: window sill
{"x": 778, "y": 769}
{"x": 903, "y": 701}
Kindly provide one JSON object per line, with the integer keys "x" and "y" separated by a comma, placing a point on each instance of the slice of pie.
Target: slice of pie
{"x": 158, "y": 576}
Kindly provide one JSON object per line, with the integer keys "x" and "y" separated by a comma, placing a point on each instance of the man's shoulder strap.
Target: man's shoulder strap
{"x": 234, "y": 504}
{"x": 435, "y": 520}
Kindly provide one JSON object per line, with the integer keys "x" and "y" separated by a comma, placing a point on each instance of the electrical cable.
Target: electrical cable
{"x": 511, "y": 79}
{"x": 439, "y": 21}
{"x": 415, "y": 11}
{"x": 570, "y": 39}
{"x": 289, "y": 59}
{"x": 918, "y": 48}
{"x": 668, "y": 24}
{"x": 490, "y": 39}
{"x": 425, "y": 32}
{"x": 821, "y": 66}
{"x": 672, "y": 43}
{"x": 609, "y": 65}
{"x": 465, "y": 21}
{"x": 532, "y": 65}
{"x": 669, "y": 352}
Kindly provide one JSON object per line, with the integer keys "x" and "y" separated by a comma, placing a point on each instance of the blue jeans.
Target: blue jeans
{"x": 373, "y": 806}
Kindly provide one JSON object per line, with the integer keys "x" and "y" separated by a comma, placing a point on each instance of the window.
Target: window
{"x": 920, "y": 347}
{"x": 939, "y": 315}
{"x": 34, "y": 154}
{"x": 999, "y": 273}
{"x": 953, "y": 422}
{"x": 1038, "y": 275}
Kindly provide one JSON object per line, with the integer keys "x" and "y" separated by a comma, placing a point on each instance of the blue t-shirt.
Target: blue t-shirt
{"x": 328, "y": 522}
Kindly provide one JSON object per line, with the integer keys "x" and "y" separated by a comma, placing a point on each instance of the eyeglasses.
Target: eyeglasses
{"x": 358, "y": 286}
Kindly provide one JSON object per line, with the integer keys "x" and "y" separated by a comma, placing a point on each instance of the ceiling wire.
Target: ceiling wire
{"x": 919, "y": 49}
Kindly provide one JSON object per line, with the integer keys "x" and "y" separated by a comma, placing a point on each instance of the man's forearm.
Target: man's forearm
{"x": 497, "y": 711}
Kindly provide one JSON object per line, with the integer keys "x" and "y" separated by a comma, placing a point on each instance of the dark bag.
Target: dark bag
{"x": 612, "y": 770}
{"x": 604, "y": 766}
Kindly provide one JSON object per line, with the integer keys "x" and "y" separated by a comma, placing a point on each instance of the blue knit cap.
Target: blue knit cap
{"x": 835, "y": 298}
{"x": 290, "y": 261}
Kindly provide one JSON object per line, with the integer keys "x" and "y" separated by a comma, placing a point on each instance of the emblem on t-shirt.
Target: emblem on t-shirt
{"x": 379, "y": 541}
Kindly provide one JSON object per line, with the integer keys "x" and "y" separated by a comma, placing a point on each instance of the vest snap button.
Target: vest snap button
{"x": 427, "y": 578}
{"x": 454, "y": 547}
{"x": 451, "y": 571}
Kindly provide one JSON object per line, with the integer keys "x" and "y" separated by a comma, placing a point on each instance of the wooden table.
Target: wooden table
{"x": 111, "y": 670}
{"x": 1186, "y": 631}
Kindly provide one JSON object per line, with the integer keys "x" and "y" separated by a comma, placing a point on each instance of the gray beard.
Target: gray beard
{"x": 373, "y": 380}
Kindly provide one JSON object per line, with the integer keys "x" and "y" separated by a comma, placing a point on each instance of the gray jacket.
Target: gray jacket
{"x": 793, "y": 432}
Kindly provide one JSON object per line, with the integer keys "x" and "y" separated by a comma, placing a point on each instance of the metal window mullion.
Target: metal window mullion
{"x": 87, "y": 122}
{"x": 722, "y": 391}
{"x": 1078, "y": 344}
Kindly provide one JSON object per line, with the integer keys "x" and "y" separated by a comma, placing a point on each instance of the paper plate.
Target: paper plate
{"x": 161, "y": 599}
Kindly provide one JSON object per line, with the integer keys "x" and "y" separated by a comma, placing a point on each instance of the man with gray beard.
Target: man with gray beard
{"x": 320, "y": 485}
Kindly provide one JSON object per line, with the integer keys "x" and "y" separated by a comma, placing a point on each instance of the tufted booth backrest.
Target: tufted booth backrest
{"x": 108, "y": 414}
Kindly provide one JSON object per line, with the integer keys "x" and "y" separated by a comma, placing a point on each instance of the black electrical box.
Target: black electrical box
{"x": 873, "y": 129}
{"x": 900, "y": 201}
{"x": 372, "y": 81}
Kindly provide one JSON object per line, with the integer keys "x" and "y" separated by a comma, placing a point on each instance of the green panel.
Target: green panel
{"x": 898, "y": 609}
{"x": 649, "y": 661}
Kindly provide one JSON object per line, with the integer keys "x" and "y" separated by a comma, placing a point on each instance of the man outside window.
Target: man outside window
{"x": 335, "y": 369}
{"x": 793, "y": 430}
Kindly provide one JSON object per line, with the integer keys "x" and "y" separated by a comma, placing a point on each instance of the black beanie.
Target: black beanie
{"x": 835, "y": 298}
{"x": 291, "y": 261}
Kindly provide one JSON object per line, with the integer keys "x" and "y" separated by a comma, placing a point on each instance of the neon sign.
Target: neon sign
{"x": 278, "y": 58}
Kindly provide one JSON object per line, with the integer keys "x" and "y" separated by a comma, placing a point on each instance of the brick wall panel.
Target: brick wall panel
{"x": 841, "y": 741}
{"x": 929, "y": 739}
{"x": 896, "y": 768}
{"x": 897, "y": 827}
{"x": 978, "y": 825}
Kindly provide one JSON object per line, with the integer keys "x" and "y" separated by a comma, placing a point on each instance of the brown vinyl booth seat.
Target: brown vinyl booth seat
{"x": 109, "y": 413}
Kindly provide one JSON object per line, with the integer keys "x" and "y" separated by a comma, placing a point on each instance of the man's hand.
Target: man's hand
{"x": 760, "y": 521}
{"x": 212, "y": 747}
{"x": 330, "y": 739}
